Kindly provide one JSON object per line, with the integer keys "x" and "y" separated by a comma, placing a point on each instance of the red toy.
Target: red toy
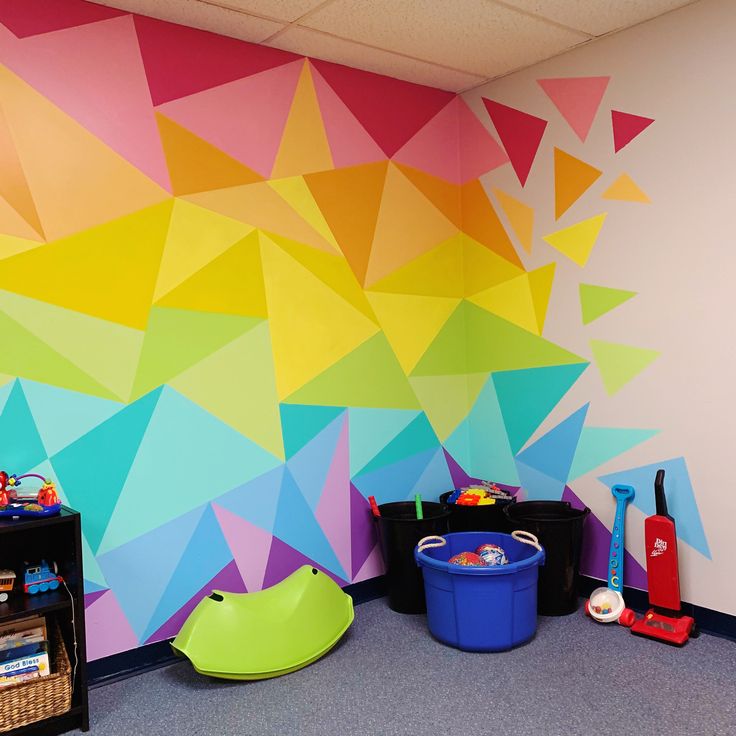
{"x": 664, "y": 620}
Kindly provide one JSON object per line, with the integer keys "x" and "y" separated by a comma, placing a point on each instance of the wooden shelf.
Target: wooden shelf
{"x": 20, "y": 605}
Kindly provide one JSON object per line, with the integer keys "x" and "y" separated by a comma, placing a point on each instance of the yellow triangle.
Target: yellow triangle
{"x": 76, "y": 180}
{"x": 436, "y": 273}
{"x": 520, "y": 217}
{"x": 411, "y": 322}
{"x": 230, "y": 284}
{"x": 408, "y": 225}
{"x": 11, "y": 245}
{"x": 312, "y": 327}
{"x": 262, "y": 207}
{"x": 577, "y": 241}
{"x": 512, "y": 301}
{"x": 483, "y": 268}
{"x": 626, "y": 189}
{"x": 196, "y": 236}
{"x": 573, "y": 178}
{"x": 304, "y": 147}
{"x": 108, "y": 271}
{"x": 540, "y": 284}
{"x": 297, "y": 194}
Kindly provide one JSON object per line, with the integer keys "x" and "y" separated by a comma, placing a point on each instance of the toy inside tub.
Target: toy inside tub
{"x": 17, "y": 504}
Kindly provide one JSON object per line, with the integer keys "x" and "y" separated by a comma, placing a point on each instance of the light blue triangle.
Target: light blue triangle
{"x": 187, "y": 458}
{"x": 5, "y": 391}
{"x": 206, "y": 554}
{"x": 138, "y": 572}
{"x": 598, "y": 445}
{"x": 538, "y": 486}
{"x": 300, "y": 423}
{"x": 390, "y": 483}
{"x": 553, "y": 453}
{"x": 92, "y": 587}
{"x": 458, "y": 445}
{"x": 257, "y": 500}
{"x": 92, "y": 571}
{"x": 527, "y": 396}
{"x": 416, "y": 437}
{"x": 93, "y": 469}
{"x": 371, "y": 430}
{"x": 63, "y": 416}
{"x": 435, "y": 479}
{"x": 20, "y": 444}
{"x": 681, "y": 502}
{"x": 310, "y": 466}
{"x": 296, "y": 526}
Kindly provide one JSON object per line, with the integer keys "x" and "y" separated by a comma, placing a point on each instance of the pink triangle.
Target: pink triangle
{"x": 228, "y": 579}
{"x": 520, "y": 134}
{"x": 363, "y": 531}
{"x": 333, "y": 509}
{"x": 180, "y": 61}
{"x": 372, "y": 567}
{"x": 108, "y": 631}
{"x": 391, "y": 110}
{"x": 349, "y": 141}
{"x": 626, "y": 127}
{"x": 284, "y": 559}
{"x": 95, "y": 74}
{"x": 249, "y": 544}
{"x": 577, "y": 99}
{"x": 246, "y": 118}
{"x": 31, "y": 17}
{"x": 480, "y": 152}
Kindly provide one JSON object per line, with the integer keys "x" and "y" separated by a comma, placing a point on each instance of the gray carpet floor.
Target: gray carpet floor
{"x": 388, "y": 677}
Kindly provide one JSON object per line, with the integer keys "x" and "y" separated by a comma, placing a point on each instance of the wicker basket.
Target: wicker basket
{"x": 43, "y": 697}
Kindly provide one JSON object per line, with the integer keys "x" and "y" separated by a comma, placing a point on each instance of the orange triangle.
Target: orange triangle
{"x": 350, "y": 199}
{"x": 573, "y": 178}
{"x": 481, "y": 222}
{"x": 196, "y": 165}
{"x": 442, "y": 194}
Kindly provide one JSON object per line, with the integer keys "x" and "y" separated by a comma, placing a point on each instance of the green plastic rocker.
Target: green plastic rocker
{"x": 253, "y": 636}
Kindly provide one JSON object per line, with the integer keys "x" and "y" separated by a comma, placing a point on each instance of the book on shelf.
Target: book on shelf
{"x": 24, "y": 650}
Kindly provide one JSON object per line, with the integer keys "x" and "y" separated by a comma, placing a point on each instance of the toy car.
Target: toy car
{"x": 40, "y": 578}
{"x": 7, "y": 580}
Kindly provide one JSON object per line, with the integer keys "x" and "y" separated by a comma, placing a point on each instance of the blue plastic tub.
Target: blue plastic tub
{"x": 481, "y": 609}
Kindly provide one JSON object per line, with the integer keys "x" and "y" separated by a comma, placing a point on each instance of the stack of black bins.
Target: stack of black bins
{"x": 489, "y": 518}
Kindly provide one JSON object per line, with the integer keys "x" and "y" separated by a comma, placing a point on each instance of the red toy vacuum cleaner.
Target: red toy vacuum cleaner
{"x": 664, "y": 620}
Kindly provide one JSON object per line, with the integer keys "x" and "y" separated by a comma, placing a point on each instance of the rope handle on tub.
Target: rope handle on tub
{"x": 526, "y": 538}
{"x": 431, "y": 541}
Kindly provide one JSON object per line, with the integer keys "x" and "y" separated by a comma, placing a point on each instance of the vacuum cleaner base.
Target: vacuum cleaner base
{"x": 670, "y": 629}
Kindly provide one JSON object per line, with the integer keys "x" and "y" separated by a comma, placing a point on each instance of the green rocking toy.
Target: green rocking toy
{"x": 253, "y": 636}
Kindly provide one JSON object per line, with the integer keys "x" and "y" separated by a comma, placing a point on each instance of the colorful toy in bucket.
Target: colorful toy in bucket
{"x": 466, "y": 558}
{"x": 44, "y": 502}
{"x": 492, "y": 554}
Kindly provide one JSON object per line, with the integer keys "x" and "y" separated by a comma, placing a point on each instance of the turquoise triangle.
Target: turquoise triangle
{"x": 300, "y": 423}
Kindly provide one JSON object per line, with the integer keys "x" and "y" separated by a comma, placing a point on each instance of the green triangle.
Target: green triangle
{"x": 300, "y": 424}
{"x": 595, "y": 301}
{"x": 476, "y": 341}
{"x": 618, "y": 364}
{"x": 176, "y": 339}
{"x": 373, "y": 429}
{"x": 368, "y": 376}
{"x": 597, "y": 445}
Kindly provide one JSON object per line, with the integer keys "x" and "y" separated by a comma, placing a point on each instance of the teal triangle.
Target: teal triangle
{"x": 415, "y": 438}
{"x": 257, "y": 500}
{"x": 187, "y": 458}
{"x": 681, "y": 503}
{"x": 93, "y": 469}
{"x": 300, "y": 423}
{"x": 458, "y": 445}
{"x": 553, "y": 453}
{"x": 600, "y": 444}
{"x": 63, "y": 416}
{"x": 371, "y": 430}
{"x": 537, "y": 486}
{"x": 296, "y": 526}
{"x": 527, "y": 396}
{"x": 92, "y": 571}
{"x": 391, "y": 482}
{"x": 205, "y": 555}
{"x": 21, "y": 444}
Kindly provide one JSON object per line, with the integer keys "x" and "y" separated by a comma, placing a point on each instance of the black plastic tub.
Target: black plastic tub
{"x": 489, "y": 518}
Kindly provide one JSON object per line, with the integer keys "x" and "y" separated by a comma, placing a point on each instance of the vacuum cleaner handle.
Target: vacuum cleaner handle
{"x": 659, "y": 495}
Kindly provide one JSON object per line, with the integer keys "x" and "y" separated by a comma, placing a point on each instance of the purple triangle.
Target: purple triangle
{"x": 596, "y": 544}
{"x": 283, "y": 560}
{"x": 460, "y": 478}
{"x": 228, "y": 579}
{"x": 362, "y": 529}
{"x": 90, "y": 598}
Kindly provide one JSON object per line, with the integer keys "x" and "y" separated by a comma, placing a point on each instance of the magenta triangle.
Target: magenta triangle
{"x": 284, "y": 560}
{"x": 362, "y": 529}
{"x": 626, "y": 127}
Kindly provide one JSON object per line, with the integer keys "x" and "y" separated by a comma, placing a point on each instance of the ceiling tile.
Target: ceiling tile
{"x": 319, "y": 45}
{"x": 288, "y": 10}
{"x": 598, "y": 16}
{"x": 477, "y": 36}
{"x": 201, "y": 15}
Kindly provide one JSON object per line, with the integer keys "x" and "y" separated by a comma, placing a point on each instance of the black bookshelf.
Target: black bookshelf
{"x": 54, "y": 539}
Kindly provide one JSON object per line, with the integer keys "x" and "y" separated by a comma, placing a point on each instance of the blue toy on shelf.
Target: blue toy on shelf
{"x": 40, "y": 578}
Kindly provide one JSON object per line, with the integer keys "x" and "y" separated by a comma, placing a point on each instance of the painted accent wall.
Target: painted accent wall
{"x": 241, "y": 291}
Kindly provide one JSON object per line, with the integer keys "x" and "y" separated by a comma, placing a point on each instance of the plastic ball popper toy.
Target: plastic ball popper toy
{"x": 492, "y": 554}
{"x": 467, "y": 559}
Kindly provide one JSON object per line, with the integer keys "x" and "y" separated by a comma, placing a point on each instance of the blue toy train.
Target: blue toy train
{"x": 40, "y": 578}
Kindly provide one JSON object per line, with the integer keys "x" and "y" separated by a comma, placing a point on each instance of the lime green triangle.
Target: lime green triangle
{"x": 595, "y": 301}
{"x": 106, "y": 351}
{"x": 476, "y": 341}
{"x": 446, "y": 400}
{"x": 368, "y": 376}
{"x": 619, "y": 364}
{"x": 176, "y": 339}
{"x": 26, "y": 356}
{"x": 238, "y": 386}
{"x": 598, "y": 445}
